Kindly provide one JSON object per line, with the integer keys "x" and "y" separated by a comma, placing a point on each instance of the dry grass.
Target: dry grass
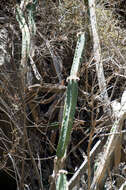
{"x": 58, "y": 23}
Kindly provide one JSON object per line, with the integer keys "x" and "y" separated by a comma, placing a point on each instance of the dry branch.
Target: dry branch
{"x": 123, "y": 186}
{"x": 76, "y": 177}
{"x": 57, "y": 61}
{"x": 112, "y": 145}
{"x": 44, "y": 87}
{"x": 97, "y": 57}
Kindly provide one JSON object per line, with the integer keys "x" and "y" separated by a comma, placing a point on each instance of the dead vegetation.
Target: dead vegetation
{"x": 30, "y": 118}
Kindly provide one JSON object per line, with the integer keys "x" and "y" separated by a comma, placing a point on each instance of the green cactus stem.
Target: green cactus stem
{"x": 71, "y": 99}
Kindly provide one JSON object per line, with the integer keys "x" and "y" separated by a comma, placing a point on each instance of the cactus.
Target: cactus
{"x": 62, "y": 182}
{"x": 27, "y": 29}
{"x": 71, "y": 99}
{"x": 68, "y": 115}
